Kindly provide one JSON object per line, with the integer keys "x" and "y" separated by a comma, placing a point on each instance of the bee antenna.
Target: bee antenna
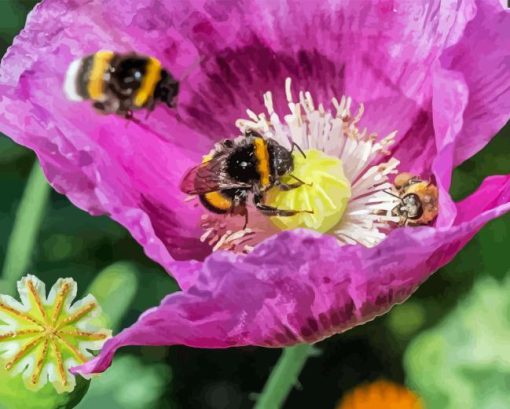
{"x": 295, "y": 145}
{"x": 299, "y": 180}
{"x": 392, "y": 194}
{"x": 251, "y": 132}
{"x": 245, "y": 219}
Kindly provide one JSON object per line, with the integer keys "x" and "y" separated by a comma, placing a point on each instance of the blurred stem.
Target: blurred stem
{"x": 284, "y": 376}
{"x": 115, "y": 288}
{"x": 26, "y": 227}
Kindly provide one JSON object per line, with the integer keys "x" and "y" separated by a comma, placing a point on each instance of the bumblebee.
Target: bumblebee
{"x": 238, "y": 168}
{"x": 120, "y": 83}
{"x": 418, "y": 200}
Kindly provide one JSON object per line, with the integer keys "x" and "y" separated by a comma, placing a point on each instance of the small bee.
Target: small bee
{"x": 418, "y": 200}
{"x": 249, "y": 164}
{"x": 120, "y": 83}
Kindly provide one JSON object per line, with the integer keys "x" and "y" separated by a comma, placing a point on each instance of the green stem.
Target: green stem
{"x": 284, "y": 376}
{"x": 26, "y": 226}
{"x": 115, "y": 288}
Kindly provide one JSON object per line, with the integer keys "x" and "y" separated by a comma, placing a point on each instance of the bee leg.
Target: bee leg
{"x": 404, "y": 221}
{"x": 239, "y": 207}
{"x": 241, "y": 210}
{"x": 150, "y": 107}
{"x": 295, "y": 145}
{"x": 245, "y": 219}
{"x": 301, "y": 181}
{"x": 99, "y": 106}
{"x": 128, "y": 115}
{"x": 289, "y": 186}
{"x": 274, "y": 211}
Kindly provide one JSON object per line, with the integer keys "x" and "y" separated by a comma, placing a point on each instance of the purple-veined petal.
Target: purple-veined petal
{"x": 482, "y": 56}
{"x": 450, "y": 95}
{"x": 381, "y": 53}
{"x": 300, "y": 286}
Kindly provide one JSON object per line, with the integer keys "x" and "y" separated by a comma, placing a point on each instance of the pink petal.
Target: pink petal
{"x": 482, "y": 56}
{"x": 450, "y": 95}
{"x": 301, "y": 287}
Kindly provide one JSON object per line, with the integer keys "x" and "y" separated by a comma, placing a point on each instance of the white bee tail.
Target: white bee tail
{"x": 71, "y": 81}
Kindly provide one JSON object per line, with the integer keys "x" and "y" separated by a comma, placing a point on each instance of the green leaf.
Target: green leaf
{"x": 14, "y": 394}
{"x": 128, "y": 384}
{"x": 114, "y": 289}
{"x": 464, "y": 362}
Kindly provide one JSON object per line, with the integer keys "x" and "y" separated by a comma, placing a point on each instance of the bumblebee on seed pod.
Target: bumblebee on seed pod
{"x": 120, "y": 83}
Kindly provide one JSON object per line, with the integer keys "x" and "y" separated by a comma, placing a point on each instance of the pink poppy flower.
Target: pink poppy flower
{"x": 431, "y": 78}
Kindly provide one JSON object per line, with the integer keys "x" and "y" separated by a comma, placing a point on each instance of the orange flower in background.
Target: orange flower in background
{"x": 381, "y": 395}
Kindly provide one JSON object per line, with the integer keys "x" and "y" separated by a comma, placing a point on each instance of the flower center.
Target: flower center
{"x": 346, "y": 175}
{"x": 327, "y": 192}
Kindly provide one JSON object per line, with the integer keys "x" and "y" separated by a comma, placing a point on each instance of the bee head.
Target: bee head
{"x": 405, "y": 179}
{"x": 283, "y": 162}
{"x": 167, "y": 89}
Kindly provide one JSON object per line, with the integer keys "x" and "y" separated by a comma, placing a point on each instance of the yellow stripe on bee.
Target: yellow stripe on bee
{"x": 95, "y": 86}
{"x": 150, "y": 79}
{"x": 217, "y": 200}
{"x": 262, "y": 156}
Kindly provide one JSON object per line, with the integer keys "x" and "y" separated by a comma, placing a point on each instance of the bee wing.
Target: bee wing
{"x": 208, "y": 177}
{"x": 200, "y": 179}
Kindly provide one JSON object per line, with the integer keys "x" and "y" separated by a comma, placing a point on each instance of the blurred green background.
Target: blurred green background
{"x": 450, "y": 341}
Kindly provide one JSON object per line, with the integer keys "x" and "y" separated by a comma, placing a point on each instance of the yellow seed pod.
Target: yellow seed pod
{"x": 45, "y": 335}
{"x": 327, "y": 193}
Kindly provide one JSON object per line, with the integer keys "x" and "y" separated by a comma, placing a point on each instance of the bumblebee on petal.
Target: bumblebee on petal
{"x": 44, "y": 336}
{"x": 120, "y": 83}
